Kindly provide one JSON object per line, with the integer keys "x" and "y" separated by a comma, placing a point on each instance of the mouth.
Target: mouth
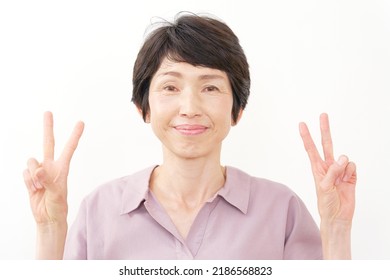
{"x": 191, "y": 129}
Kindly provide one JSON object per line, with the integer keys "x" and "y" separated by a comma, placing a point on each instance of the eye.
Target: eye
{"x": 211, "y": 88}
{"x": 170, "y": 88}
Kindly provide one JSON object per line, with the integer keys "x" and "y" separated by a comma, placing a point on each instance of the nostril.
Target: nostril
{"x": 190, "y": 115}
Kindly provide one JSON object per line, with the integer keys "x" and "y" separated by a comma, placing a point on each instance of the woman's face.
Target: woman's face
{"x": 190, "y": 108}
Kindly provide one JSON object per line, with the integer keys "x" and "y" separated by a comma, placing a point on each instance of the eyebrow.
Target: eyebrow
{"x": 201, "y": 77}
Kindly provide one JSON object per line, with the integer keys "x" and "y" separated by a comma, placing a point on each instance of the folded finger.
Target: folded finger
{"x": 334, "y": 174}
{"x": 350, "y": 173}
{"x": 43, "y": 178}
{"x": 28, "y": 181}
{"x": 33, "y": 165}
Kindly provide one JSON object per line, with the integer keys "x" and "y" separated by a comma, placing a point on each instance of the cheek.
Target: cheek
{"x": 222, "y": 113}
{"x": 223, "y": 108}
{"x": 160, "y": 109}
{"x": 154, "y": 105}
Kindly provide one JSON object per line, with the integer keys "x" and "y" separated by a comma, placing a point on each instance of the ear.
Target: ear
{"x": 238, "y": 117}
{"x": 147, "y": 118}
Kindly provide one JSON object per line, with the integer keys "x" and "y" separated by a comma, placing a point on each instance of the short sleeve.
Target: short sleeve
{"x": 76, "y": 240}
{"x": 302, "y": 239}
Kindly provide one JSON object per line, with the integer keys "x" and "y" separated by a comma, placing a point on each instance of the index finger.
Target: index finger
{"x": 72, "y": 143}
{"x": 326, "y": 138}
{"x": 48, "y": 136}
{"x": 308, "y": 143}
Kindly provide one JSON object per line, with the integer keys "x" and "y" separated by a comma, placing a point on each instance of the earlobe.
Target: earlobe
{"x": 139, "y": 110}
{"x": 238, "y": 117}
{"x": 147, "y": 118}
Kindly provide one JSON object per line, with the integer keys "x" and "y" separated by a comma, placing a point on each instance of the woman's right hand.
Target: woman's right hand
{"x": 46, "y": 181}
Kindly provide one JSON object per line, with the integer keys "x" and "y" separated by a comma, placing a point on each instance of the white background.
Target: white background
{"x": 75, "y": 58}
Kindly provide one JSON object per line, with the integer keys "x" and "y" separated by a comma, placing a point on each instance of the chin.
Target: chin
{"x": 192, "y": 150}
{"x": 188, "y": 155}
{"x": 189, "y": 152}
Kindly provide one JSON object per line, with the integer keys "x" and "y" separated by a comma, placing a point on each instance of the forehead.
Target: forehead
{"x": 185, "y": 70}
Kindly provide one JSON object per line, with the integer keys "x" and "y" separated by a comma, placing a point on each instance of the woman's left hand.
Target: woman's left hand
{"x": 335, "y": 180}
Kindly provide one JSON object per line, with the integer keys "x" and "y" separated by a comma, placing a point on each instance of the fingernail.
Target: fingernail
{"x": 342, "y": 160}
{"x": 37, "y": 185}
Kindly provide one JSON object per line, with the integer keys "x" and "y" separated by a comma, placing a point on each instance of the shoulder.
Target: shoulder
{"x": 257, "y": 185}
{"x": 275, "y": 201}
{"x": 115, "y": 191}
{"x": 254, "y": 194}
{"x": 276, "y": 212}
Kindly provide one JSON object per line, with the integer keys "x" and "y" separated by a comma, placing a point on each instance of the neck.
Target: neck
{"x": 191, "y": 181}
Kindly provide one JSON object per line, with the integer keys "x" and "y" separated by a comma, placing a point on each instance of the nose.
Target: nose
{"x": 190, "y": 104}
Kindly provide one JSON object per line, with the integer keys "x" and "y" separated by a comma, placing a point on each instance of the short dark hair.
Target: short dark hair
{"x": 199, "y": 41}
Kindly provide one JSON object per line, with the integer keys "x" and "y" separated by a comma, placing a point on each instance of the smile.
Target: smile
{"x": 191, "y": 129}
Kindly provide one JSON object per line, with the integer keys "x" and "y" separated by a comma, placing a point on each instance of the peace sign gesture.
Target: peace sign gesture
{"x": 335, "y": 186}
{"x": 46, "y": 181}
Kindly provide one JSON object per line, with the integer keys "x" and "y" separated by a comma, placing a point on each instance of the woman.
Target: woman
{"x": 191, "y": 83}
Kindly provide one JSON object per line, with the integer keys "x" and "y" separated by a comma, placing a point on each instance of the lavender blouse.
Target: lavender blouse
{"x": 249, "y": 218}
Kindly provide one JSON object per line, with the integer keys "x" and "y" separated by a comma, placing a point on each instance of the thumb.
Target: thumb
{"x": 334, "y": 174}
{"x": 43, "y": 178}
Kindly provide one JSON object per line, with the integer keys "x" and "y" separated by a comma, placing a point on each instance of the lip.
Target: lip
{"x": 191, "y": 129}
